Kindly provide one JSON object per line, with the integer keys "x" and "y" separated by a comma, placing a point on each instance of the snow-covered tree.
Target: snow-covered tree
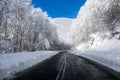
{"x": 6, "y": 45}
{"x": 4, "y": 15}
{"x": 26, "y": 28}
{"x": 95, "y": 16}
{"x": 41, "y": 34}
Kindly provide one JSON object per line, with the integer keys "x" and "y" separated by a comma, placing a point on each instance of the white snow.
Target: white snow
{"x": 101, "y": 43}
{"x": 109, "y": 59}
{"x": 107, "y": 45}
{"x": 15, "y": 62}
{"x": 64, "y": 22}
{"x": 106, "y": 52}
{"x": 63, "y": 26}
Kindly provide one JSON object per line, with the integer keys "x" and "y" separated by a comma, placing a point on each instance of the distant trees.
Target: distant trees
{"x": 26, "y": 28}
{"x": 95, "y": 16}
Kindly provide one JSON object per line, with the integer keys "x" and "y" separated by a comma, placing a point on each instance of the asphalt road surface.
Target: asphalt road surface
{"x": 65, "y": 66}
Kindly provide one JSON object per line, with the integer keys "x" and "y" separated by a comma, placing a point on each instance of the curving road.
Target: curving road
{"x": 65, "y": 66}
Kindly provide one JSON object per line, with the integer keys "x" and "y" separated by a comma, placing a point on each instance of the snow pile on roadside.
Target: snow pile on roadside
{"x": 109, "y": 59}
{"x": 15, "y": 62}
{"x": 101, "y": 43}
{"x": 106, "y": 45}
{"x": 106, "y": 52}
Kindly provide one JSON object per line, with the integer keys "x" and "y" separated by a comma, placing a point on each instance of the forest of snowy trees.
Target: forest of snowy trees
{"x": 96, "y": 17}
{"x": 25, "y": 28}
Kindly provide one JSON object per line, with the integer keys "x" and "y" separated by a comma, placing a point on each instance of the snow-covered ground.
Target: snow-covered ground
{"x": 110, "y": 59}
{"x": 14, "y": 62}
{"x": 106, "y": 52}
{"x": 112, "y": 45}
{"x": 63, "y": 26}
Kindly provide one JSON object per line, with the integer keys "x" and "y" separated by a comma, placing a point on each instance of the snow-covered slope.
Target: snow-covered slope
{"x": 15, "y": 62}
{"x": 63, "y": 26}
{"x": 106, "y": 52}
{"x": 66, "y": 22}
{"x": 109, "y": 59}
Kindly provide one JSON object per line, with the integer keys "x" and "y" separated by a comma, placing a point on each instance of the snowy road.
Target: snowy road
{"x": 65, "y": 66}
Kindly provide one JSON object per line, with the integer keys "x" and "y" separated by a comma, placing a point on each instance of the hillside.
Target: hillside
{"x": 63, "y": 26}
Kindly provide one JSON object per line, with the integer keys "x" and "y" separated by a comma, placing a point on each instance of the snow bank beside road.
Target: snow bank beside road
{"x": 106, "y": 52}
{"x": 15, "y": 62}
{"x": 109, "y": 59}
{"x": 112, "y": 45}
